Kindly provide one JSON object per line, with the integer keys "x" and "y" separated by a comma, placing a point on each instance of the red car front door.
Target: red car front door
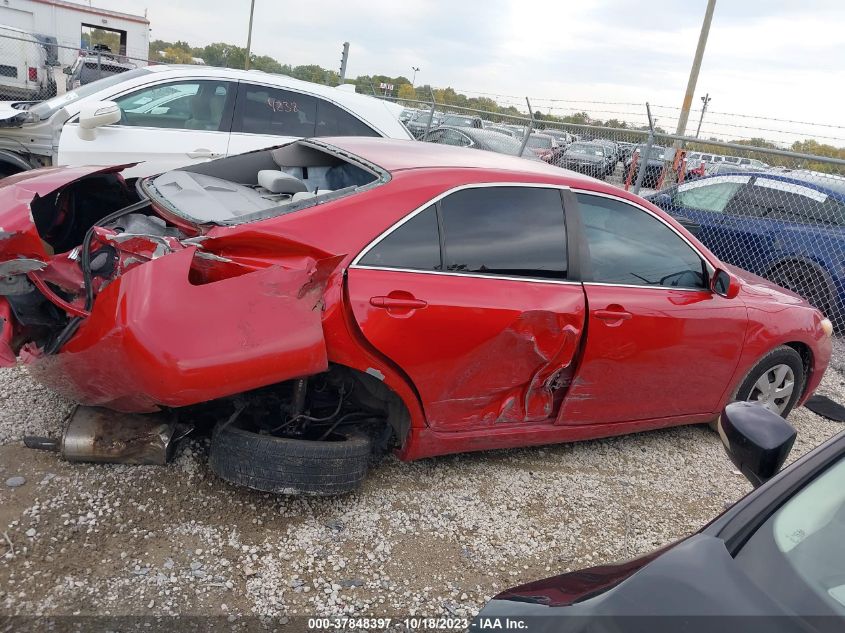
{"x": 469, "y": 297}
{"x": 659, "y": 343}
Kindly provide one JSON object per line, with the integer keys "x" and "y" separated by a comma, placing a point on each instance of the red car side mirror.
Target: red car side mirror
{"x": 724, "y": 284}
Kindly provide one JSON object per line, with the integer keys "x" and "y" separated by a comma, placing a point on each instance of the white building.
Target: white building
{"x": 68, "y": 21}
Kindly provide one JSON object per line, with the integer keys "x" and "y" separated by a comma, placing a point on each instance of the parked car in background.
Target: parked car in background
{"x": 654, "y": 165}
{"x": 112, "y": 120}
{"x": 585, "y": 158}
{"x": 462, "y": 120}
{"x": 625, "y": 150}
{"x": 92, "y": 65}
{"x": 543, "y": 145}
{"x": 613, "y": 153}
{"x": 51, "y": 47}
{"x": 419, "y": 123}
{"x": 773, "y": 561}
{"x": 479, "y": 139}
{"x": 787, "y": 227}
{"x": 359, "y": 289}
{"x": 499, "y": 129}
{"x": 24, "y": 71}
{"x": 562, "y": 137}
{"x": 703, "y": 164}
{"x": 408, "y": 114}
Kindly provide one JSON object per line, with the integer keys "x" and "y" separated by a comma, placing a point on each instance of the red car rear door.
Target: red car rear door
{"x": 469, "y": 296}
{"x": 659, "y": 343}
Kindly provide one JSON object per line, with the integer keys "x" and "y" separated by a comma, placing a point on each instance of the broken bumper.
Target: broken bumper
{"x": 155, "y": 339}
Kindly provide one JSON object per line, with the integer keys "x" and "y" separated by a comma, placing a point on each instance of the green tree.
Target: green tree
{"x": 406, "y": 91}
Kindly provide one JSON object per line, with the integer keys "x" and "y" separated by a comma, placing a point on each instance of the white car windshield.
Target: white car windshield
{"x": 46, "y": 109}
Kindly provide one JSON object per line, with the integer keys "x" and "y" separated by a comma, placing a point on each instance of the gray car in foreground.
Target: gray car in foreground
{"x": 773, "y": 562}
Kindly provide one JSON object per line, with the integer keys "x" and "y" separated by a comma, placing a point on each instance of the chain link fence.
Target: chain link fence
{"x": 32, "y": 68}
{"x": 777, "y": 213}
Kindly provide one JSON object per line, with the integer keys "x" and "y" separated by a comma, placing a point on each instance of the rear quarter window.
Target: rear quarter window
{"x": 335, "y": 121}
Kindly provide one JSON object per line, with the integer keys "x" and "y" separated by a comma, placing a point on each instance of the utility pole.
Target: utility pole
{"x": 414, "y": 80}
{"x": 249, "y": 35}
{"x": 693, "y": 74}
{"x": 705, "y": 100}
{"x": 344, "y": 57}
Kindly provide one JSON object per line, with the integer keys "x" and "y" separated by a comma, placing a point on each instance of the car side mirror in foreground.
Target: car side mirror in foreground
{"x": 724, "y": 284}
{"x": 94, "y": 115}
{"x": 757, "y": 440}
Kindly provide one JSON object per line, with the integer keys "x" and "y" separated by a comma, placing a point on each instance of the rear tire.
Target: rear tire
{"x": 290, "y": 466}
{"x": 807, "y": 281}
{"x": 778, "y": 372}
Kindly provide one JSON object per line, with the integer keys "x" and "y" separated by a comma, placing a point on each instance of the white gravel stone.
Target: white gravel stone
{"x": 434, "y": 537}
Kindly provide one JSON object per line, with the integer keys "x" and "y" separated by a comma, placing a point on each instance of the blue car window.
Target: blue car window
{"x": 789, "y": 202}
{"x": 712, "y": 198}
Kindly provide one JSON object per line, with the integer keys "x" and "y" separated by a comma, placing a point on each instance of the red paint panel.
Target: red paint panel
{"x": 673, "y": 356}
{"x": 483, "y": 351}
{"x": 777, "y": 317}
{"x": 7, "y": 356}
{"x": 154, "y": 338}
{"x": 18, "y": 235}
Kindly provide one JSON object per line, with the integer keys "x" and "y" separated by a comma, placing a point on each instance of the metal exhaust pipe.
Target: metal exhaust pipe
{"x": 94, "y": 434}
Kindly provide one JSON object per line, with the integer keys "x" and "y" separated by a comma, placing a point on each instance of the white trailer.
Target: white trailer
{"x": 68, "y": 22}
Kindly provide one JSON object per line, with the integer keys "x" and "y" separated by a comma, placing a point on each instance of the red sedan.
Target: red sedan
{"x": 326, "y": 299}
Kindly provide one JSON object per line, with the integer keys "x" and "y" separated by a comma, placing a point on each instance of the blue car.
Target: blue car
{"x": 788, "y": 227}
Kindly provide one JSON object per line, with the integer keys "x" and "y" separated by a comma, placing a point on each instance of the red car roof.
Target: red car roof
{"x": 394, "y": 155}
{"x": 400, "y": 155}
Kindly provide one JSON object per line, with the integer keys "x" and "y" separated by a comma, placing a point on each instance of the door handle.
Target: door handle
{"x": 612, "y": 315}
{"x": 203, "y": 153}
{"x": 402, "y": 303}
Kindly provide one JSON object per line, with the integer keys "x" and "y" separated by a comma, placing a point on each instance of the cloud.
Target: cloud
{"x": 768, "y": 57}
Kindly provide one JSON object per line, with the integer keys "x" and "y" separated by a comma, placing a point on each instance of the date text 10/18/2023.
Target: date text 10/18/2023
{"x": 417, "y": 624}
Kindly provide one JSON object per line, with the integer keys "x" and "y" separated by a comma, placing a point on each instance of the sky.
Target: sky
{"x": 782, "y": 59}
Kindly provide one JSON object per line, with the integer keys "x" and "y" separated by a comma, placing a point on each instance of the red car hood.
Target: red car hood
{"x": 754, "y": 286}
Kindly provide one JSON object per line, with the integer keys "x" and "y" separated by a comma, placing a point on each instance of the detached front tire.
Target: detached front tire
{"x": 290, "y": 466}
{"x": 776, "y": 381}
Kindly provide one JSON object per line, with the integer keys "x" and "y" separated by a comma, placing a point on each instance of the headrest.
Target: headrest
{"x": 277, "y": 181}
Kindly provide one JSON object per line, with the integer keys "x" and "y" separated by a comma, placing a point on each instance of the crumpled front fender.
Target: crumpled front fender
{"x": 156, "y": 339}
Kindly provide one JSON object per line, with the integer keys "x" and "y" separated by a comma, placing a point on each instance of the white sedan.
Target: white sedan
{"x": 170, "y": 116}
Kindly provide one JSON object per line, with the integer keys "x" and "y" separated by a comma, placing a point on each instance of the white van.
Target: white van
{"x": 24, "y": 73}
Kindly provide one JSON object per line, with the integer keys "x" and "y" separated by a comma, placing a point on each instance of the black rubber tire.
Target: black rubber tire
{"x": 290, "y": 466}
{"x": 783, "y": 355}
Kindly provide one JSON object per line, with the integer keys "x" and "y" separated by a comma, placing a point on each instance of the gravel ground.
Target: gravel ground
{"x": 435, "y": 537}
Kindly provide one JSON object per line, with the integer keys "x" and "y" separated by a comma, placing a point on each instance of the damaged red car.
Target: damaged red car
{"x": 326, "y": 301}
